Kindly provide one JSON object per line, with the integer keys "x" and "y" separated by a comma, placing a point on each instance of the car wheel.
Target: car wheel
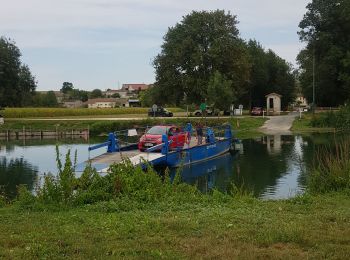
{"x": 198, "y": 114}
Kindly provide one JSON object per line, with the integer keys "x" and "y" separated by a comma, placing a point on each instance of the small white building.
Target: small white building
{"x": 111, "y": 92}
{"x": 101, "y": 103}
{"x": 273, "y": 104}
{"x": 301, "y": 101}
{"x": 73, "y": 104}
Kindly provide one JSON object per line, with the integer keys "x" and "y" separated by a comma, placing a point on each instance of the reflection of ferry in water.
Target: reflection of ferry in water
{"x": 209, "y": 174}
{"x": 185, "y": 155}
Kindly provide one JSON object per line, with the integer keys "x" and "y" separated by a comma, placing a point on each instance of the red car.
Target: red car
{"x": 154, "y": 137}
{"x": 257, "y": 111}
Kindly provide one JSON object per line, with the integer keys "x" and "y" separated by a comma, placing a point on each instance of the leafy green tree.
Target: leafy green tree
{"x": 220, "y": 92}
{"x": 96, "y": 93}
{"x": 269, "y": 73}
{"x": 116, "y": 95}
{"x": 16, "y": 81}
{"x": 152, "y": 96}
{"x": 202, "y": 43}
{"x": 326, "y": 30}
{"x": 66, "y": 87}
{"x": 50, "y": 99}
{"x": 77, "y": 94}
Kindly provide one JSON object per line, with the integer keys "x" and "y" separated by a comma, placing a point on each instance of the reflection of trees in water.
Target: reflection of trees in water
{"x": 15, "y": 172}
{"x": 258, "y": 167}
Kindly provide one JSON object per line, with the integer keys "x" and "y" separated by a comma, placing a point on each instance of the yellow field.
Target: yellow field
{"x": 61, "y": 112}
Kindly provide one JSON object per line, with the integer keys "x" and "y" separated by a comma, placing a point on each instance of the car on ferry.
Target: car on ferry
{"x": 153, "y": 137}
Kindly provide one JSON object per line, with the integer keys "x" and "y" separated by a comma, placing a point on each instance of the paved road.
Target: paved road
{"x": 279, "y": 124}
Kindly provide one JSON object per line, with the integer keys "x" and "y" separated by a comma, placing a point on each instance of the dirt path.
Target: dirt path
{"x": 279, "y": 124}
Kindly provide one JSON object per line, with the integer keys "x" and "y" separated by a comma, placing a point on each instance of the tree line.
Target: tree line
{"x": 325, "y": 61}
{"x": 203, "y": 59}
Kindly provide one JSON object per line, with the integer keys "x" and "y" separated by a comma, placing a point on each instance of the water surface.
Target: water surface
{"x": 273, "y": 167}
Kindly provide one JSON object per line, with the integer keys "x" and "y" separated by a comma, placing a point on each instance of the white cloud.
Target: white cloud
{"x": 122, "y": 26}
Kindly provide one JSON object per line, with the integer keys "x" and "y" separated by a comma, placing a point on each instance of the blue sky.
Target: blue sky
{"x": 105, "y": 43}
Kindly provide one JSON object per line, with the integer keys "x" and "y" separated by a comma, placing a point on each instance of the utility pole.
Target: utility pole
{"x": 313, "y": 82}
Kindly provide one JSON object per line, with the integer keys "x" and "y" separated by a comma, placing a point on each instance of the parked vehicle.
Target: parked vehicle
{"x": 256, "y": 111}
{"x": 209, "y": 112}
{"x": 153, "y": 137}
{"x": 160, "y": 111}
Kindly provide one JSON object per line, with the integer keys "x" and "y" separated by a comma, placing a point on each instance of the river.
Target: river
{"x": 271, "y": 167}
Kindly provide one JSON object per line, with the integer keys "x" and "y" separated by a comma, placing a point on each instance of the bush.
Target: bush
{"x": 339, "y": 119}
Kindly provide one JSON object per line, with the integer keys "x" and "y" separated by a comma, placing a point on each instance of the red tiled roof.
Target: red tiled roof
{"x": 135, "y": 86}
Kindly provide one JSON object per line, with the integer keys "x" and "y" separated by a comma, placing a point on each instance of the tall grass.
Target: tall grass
{"x": 339, "y": 119}
{"x": 124, "y": 185}
{"x": 60, "y": 112}
{"x": 332, "y": 169}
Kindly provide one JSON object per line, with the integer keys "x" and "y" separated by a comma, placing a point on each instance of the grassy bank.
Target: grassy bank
{"x": 306, "y": 124}
{"x": 63, "y": 112}
{"x": 306, "y": 227}
{"x": 244, "y": 127}
{"x": 130, "y": 213}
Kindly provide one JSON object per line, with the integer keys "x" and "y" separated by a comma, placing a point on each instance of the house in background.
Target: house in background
{"x": 73, "y": 104}
{"x": 301, "y": 101}
{"x": 135, "y": 88}
{"x": 122, "y": 102}
{"x": 109, "y": 93}
{"x": 101, "y": 103}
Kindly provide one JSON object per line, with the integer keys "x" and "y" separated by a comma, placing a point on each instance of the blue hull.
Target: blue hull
{"x": 197, "y": 153}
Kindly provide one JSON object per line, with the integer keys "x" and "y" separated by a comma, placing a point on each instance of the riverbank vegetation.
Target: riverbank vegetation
{"x": 130, "y": 213}
{"x": 325, "y": 121}
{"x": 70, "y": 112}
{"x": 243, "y": 127}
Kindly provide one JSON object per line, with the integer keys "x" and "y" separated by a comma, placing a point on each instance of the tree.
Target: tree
{"x": 50, "y": 99}
{"x": 96, "y": 93}
{"x": 66, "y": 87}
{"x": 269, "y": 73}
{"x": 116, "y": 95}
{"x": 326, "y": 30}
{"x": 202, "y": 43}
{"x": 220, "y": 92}
{"x": 16, "y": 81}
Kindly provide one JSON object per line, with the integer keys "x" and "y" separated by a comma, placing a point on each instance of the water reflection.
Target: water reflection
{"x": 14, "y": 172}
{"x": 272, "y": 167}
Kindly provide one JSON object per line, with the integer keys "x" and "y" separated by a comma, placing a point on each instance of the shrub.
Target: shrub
{"x": 339, "y": 119}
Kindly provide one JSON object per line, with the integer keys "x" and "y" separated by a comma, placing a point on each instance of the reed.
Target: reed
{"x": 331, "y": 168}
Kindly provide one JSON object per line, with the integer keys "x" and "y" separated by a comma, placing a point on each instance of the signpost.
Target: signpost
{"x": 154, "y": 109}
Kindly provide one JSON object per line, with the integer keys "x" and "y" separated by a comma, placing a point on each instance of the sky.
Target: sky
{"x": 105, "y": 43}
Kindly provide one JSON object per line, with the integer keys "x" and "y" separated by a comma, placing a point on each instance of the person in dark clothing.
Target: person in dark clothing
{"x": 199, "y": 133}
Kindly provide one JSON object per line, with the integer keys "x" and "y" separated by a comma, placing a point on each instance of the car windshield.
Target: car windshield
{"x": 157, "y": 130}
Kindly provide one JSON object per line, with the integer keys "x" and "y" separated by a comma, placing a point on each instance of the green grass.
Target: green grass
{"x": 64, "y": 112}
{"x": 246, "y": 127}
{"x": 305, "y": 124}
{"x": 306, "y": 227}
